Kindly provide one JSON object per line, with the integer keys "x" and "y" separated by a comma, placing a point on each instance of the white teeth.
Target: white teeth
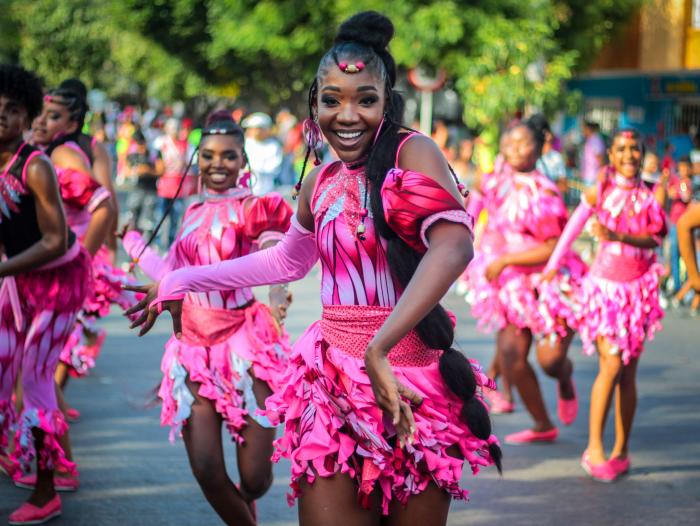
{"x": 218, "y": 177}
{"x": 349, "y": 135}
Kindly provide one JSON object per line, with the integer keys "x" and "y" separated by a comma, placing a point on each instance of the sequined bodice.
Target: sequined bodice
{"x": 211, "y": 232}
{"x": 354, "y": 272}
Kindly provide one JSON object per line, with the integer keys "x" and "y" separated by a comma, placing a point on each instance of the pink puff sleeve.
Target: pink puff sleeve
{"x": 656, "y": 220}
{"x": 267, "y": 218}
{"x": 413, "y": 202}
{"x": 79, "y": 190}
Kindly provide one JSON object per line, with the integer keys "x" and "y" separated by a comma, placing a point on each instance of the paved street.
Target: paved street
{"x": 131, "y": 475}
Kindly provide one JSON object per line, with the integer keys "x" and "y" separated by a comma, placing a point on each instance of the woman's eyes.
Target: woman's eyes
{"x": 365, "y": 101}
{"x": 329, "y": 101}
{"x": 227, "y": 157}
{"x": 368, "y": 101}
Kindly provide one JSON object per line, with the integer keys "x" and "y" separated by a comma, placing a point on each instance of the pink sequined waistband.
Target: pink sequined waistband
{"x": 621, "y": 266}
{"x": 350, "y": 328}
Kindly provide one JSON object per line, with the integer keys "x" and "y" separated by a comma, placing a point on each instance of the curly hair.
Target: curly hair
{"x": 23, "y": 86}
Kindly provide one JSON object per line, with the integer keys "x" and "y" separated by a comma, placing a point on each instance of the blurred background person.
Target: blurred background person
{"x": 593, "y": 152}
{"x": 143, "y": 170}
{"x": 264, "y": 152}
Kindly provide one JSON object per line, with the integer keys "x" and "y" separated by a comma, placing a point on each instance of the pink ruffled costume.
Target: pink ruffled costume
{"x": 226, "y": 334}
{"x": 619, "y": 299}
{"x": 81, "y": 195}
{"x": 332, "y": 422}
{"x": 37, "y": 312}
{"x": 524, "y": 211}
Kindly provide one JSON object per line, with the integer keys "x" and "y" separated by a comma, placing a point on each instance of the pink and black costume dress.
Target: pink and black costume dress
{"x": 38, "y": 309}
{"x": 524, "y": 211}
{"x": 226, "y": 334}
{"x": 332, "y": 423}
{"x": 81, "y": 195}
{"x": 619, "y": 298}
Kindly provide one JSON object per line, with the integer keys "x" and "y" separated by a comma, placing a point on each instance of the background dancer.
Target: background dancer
{"x": 232, "y": 353}
{"x": 45, "y": 278}
{"x": 619, "y": 298}
{"x": 527, "y": 211}
{"x": 389, "y": 225}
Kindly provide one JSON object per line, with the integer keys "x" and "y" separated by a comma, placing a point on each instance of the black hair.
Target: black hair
{"x": 23, "y": 86}
{"x": 76, "y": 86}
{"x": 74, "y": 102}
{"x": 138, "y": 136}
{"x": 684, "y": 159}
{"x": 592, "y": 125}
{"x": 219, "y": 122}
{"x": 365, "y": 37}
{"x": 539, "y": 121}
{"x": 535, "y": 128}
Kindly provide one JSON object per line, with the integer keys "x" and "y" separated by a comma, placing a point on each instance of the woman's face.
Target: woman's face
{"x": 220, "y": 161}
{"x": 53, "y": 122}
{"x": 625, "y": 155}
{"x": 350, "y": 109}
{"x": 521, "y": 149}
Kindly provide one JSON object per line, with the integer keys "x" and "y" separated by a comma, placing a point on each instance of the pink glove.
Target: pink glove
{"x": 289, "y": 260}
{"x": 571, "y": 231}
{"x": 151, "y": 263}
{"x": 475, "y": 204}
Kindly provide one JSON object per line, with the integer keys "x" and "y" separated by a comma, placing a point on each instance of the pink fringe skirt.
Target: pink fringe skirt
{"x": 332, "y": 423}
{"x": 624, "y": 312}
{"x": 219, "y": 350}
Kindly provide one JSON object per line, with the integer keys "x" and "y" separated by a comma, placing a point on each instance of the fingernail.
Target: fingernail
{"x": 178, "y": 335}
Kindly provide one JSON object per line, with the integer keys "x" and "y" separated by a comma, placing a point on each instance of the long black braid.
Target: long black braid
{"x": 365, "y": 37}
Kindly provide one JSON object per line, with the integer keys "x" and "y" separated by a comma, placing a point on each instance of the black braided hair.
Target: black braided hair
{"x": 19, "y": 84}
{"x": 74, "y": 101}
{"x": 365, "y": 36}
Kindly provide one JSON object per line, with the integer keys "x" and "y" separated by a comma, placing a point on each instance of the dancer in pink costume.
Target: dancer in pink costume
{"x": 619, "y": 300}
{"x": 526, "y": 215}
{"x": 380, "y": 413}
{"x": 232, "y": 353}
{"x": 90, "y": 214}
{"x": 45, "y": 278}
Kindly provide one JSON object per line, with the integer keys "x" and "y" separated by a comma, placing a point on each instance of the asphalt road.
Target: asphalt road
{"x": 132, "y": 476}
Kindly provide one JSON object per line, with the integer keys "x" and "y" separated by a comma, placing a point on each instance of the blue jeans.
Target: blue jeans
{"x": 674, "y": 257}
{"x": 174, "y": 217}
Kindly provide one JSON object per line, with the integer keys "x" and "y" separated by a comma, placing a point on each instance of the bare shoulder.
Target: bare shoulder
{"x": 66, "y": 157}
{"x": 40, "y": 174}
{"x": 420, "y": 153}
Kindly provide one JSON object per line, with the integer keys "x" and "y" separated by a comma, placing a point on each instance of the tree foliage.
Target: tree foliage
{"x": 498, "y": 53}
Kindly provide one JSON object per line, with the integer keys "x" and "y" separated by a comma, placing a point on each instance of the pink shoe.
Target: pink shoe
{"x": 600, "y": 472}
{"x": 61, "y": 482}
{"x": 72, "y": 414}
{"x": 29, "y": 514}
{"x": 567, "y": 409}
{"x": 498, "y": 403}
{"x": 528, "y": 436}
{"x": 620, "y": 465}
{"x": 8, "y": 466}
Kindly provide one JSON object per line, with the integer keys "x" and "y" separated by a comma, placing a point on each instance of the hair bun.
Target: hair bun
{"x": 369, "y": 28}
{"x": 219, "y": 116}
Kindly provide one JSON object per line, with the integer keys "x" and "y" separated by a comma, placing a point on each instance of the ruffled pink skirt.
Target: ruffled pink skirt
{"x": 332, "y": 423}
{"x": 244, "y": 341}
{"x": 626, "y": 313}
{"x": 522, "y": 299}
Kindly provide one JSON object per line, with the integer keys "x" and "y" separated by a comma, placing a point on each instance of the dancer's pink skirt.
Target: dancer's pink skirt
{"x": 519, "y": 297}
{"x": 219, "y": 350}
{"x": 29, "y": 348}
{"x": 332, "y": 423}
{"x": 626, "y": 313}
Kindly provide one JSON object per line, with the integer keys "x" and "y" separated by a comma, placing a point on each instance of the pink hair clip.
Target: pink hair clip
{"x": 627, "y": 134}
{"x": 351, "y": 68}
{"x": 48, "y": 98}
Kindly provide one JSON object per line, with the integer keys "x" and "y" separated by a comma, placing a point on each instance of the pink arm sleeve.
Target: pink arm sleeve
{"x": 151, "y": 263}
{"x": 289, "y": 260}
{"x": 571, "y": 231}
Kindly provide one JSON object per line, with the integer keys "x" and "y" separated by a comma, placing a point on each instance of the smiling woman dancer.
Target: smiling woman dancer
{"x": 45, "y": 278}
{"x": 232, "y": 353}
{"x": 380, "y": 412}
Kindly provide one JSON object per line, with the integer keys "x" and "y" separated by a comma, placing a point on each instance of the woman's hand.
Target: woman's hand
{"x": 389, "y": 394}
{"x": 149, "y": 314}
{"x": 603, "y": 233}
{"x": 280, "y": 299}
{"x": 493, "y": 271}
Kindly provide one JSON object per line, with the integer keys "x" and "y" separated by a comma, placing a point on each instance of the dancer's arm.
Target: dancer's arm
{"x": 636, "y": 240}
{"x": 572, "y": 230}
{"x": 528, "y": 258}
{"x": 689, "y": 221}
{"x": 102, "y": 170}
{"x": 41, "y": 182}
{"x": 146, "y": 258}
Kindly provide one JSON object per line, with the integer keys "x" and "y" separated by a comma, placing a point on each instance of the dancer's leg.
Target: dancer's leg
{"x": 554, "y": 361}
{"x": 610, "y": 367}
{"x": 333, "y": 500}
{"x": 625, "y": 407}
{"x": 515, "y": 347}
{"x": 202, "y": 436}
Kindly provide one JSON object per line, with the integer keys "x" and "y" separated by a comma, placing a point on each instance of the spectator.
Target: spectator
{"x": 680, "y": 194}
{"x": 551, "y": 163}
{"x": 593, "y": 153}
{"x": 264, "y": 152}
{"x": 142, "y": 199}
